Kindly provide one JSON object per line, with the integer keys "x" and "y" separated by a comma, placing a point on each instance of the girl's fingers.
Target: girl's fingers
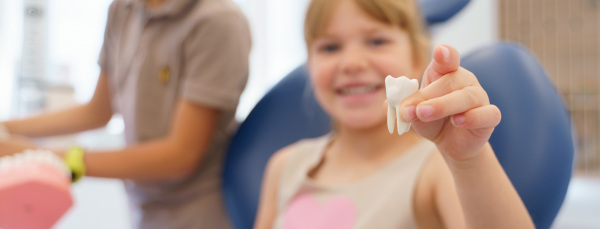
{"x": 455, "y": 102}
{"x": 448, "y": 83}
{"x": 480, "y": 121}
{"x": 446, "y": 59}
{"x": 488, "y": 116}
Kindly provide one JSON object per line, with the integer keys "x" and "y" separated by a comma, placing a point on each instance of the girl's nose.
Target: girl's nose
{"x": 353, "y": 60}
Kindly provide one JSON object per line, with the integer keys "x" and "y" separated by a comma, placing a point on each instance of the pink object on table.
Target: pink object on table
{"x": 33, "y": 195}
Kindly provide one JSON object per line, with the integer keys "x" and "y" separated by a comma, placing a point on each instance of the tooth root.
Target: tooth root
{"x": 391, "y": 116}
{"x": 403, "y": 127}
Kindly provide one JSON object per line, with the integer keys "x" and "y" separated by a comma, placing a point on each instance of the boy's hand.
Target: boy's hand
{"x": 451, "y": 108}
{"x": 15, "y": 144}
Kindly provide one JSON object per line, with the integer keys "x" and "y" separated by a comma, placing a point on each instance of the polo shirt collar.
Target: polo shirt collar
{"x": 171, "y": 8}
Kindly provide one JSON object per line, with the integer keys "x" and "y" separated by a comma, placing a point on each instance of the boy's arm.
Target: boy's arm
{"x": 171, "y": 157}
{"x": 94, "y": 114}
{"x": 267, "y": 209}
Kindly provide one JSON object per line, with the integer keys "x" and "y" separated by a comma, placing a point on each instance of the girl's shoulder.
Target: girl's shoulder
{"x": 301, "y": 152}
{"x": 289, "y": 159}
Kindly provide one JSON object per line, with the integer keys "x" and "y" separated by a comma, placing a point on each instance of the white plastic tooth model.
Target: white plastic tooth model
{"x": 397, "y": 89}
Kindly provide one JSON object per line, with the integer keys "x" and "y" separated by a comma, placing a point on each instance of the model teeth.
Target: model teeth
{"x": 397, "y": 89}
{"x": 358, "y": 90}
{"x": 29, "y": 156}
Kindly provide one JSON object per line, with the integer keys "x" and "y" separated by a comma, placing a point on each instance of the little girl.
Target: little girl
{"x": 444, "y": 174}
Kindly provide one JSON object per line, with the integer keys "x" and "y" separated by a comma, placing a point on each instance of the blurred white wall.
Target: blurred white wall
{"x": 76, "y": 32}
{"x": 475, "y": 26}
{"x": 277, "y": 45}
{"x": 10, "y": 30}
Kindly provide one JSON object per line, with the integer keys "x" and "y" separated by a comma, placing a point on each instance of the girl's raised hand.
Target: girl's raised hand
{"x": 451, "y": 108}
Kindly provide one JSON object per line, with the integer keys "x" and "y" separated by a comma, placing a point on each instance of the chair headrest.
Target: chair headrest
{"x": 437, "y": 11}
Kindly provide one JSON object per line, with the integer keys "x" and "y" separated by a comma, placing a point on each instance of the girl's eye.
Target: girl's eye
{"x": 330, "y": 48}
{"x": 377, "y": 42}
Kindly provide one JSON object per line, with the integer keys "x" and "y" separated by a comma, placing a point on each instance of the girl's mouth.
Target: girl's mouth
{"x": 358, "y": 90}
{"x": 360, "y": 94}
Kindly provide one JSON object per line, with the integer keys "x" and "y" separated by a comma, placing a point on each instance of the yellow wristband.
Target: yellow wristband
{"x": 74, "y": 160}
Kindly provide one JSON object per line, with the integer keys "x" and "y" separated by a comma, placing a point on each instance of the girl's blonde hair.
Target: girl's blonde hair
{"x": 402, "y": 13}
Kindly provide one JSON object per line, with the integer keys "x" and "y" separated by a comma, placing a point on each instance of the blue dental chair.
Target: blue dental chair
{"x": 533, "y": 141}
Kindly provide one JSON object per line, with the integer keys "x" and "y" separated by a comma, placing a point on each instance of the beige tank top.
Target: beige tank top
{"x": 382, "y": 200}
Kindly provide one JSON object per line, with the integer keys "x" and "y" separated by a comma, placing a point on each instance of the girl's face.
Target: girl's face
{"x": 349, "y": 62}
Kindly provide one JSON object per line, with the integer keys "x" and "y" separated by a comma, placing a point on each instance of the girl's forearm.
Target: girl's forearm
{"x": 486, "y": 194}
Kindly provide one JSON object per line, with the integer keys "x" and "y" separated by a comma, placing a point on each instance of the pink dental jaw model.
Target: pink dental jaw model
{"x": 34, "y": 190}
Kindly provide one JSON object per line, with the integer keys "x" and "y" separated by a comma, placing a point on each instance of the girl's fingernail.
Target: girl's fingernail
{"x": 409, "y": 113}
{"x": 458, "y": 119}
{"x": 445, "y": 52}
{"x": 425, "y": 111}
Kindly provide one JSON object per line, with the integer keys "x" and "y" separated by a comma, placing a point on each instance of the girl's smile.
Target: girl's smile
{"x": 359, "y": 93}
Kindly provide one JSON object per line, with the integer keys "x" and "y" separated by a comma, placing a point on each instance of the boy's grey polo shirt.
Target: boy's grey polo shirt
{"x": 195, "y": 50}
